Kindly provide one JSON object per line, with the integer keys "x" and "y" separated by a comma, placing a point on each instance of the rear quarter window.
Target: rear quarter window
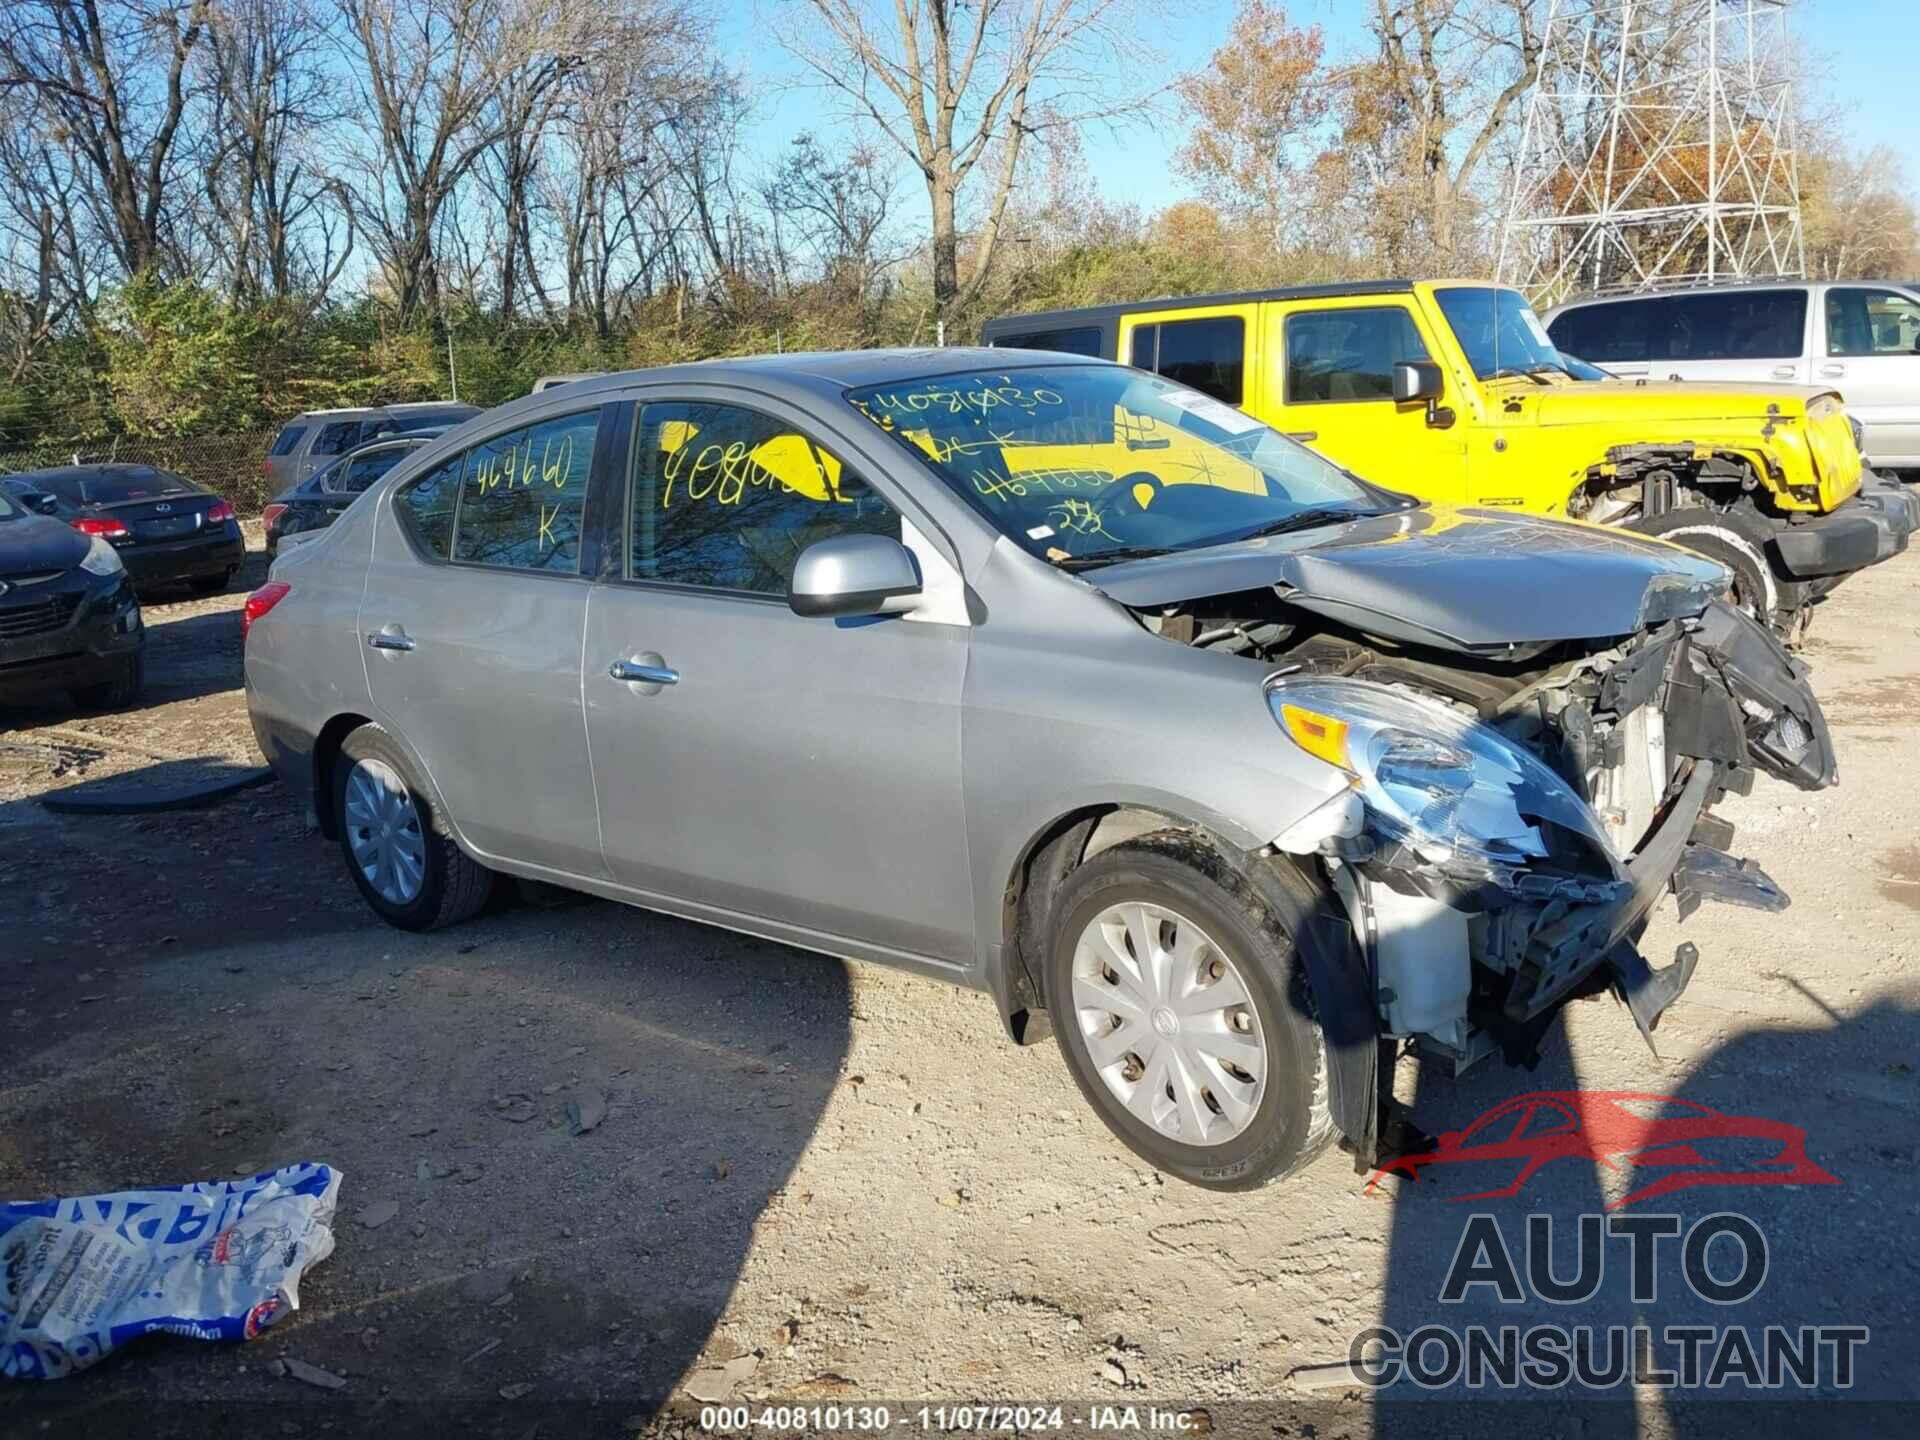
{"x": 1074, "y": 340}
{"x": 287, "y": 439}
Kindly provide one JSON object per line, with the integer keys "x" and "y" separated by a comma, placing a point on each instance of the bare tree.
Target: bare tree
{"x": 835, "y": 212}
{"x": 955, "y": 83}
{"x": 1420, "y": 117}
{"x": 113, "y": 77}
{"x": 432, "y": 72}
{"x": 280, "y": 223}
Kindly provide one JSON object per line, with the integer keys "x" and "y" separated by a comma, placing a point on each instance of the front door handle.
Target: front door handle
{"x": 1833, "y": 372}
{"x": 1305, "y": 437}
{"x": 644, "y": 670}
{"x": 390, "y": 638}
{"x": 1784, "y": 372}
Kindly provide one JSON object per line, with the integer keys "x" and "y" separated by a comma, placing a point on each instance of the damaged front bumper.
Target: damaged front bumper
{"x": 1874, "y": 525}
{"x": 1465, "y": 970}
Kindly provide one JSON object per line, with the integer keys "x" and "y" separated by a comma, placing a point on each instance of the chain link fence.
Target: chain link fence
{"x": 232, "y": 466}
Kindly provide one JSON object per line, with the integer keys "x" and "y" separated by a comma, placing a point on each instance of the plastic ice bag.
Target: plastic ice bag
{"x": 220, "y": 1260}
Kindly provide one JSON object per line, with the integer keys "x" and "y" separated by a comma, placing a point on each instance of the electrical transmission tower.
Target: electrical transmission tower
{"x": 1658, "y": 149}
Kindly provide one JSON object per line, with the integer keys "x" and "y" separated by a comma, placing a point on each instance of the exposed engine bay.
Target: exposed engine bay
{"x": 1472, "y": 952}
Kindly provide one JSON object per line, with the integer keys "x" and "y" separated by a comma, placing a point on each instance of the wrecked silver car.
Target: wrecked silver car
{"x": 1048, "y": 677}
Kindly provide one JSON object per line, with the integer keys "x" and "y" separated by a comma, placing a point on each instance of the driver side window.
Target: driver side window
{"x": 726, "y": 498}
{"x": 1864, "y": 322}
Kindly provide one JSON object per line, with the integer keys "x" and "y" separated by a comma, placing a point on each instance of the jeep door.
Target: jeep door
{"x": 750, "y": 762}
{"x": 470, "y": 630}
{"x": 1330, "y": 385}
{"x": 1871, "y": 355}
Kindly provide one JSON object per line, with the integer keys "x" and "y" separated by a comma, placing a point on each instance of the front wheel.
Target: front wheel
{"x": 413, "y": 876}
{"x": 1182, "y": 1007}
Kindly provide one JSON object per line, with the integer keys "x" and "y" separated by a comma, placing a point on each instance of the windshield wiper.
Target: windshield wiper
{"x": 1112, "y": 557}
{"x": 1532, "y": 372}
{"x": 1302, "y": 520}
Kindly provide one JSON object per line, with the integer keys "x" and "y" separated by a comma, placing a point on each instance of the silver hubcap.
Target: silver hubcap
{"x": 383, "y": 831}
{"x": 1169, "y": 1023}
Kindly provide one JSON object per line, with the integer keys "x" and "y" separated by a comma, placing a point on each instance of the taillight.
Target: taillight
{"x": 271, "y": 514}
{"x": 261, "y": 601}
{"x": 94, "y": 525}
{"x": 221, "y": 511}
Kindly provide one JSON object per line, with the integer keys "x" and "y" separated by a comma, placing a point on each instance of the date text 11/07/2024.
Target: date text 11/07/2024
{"x": 951, "y": 1419}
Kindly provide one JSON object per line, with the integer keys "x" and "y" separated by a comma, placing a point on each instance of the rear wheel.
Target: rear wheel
{"x": 1182, "y": 1007}
{"x": 129, "y": 677}
{"x": 414, "y": 876}
{"x": 1738, "y": 539}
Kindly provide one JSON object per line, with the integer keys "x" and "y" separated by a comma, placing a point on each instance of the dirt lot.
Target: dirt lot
{"x": 845, "y": 1174}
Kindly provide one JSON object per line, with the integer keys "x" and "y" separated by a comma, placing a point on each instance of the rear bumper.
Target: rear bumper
{"x": 1876, "y": 524}
{"x": 160, "y": 562}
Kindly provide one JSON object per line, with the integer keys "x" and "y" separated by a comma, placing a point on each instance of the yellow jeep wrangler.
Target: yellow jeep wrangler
{"x": 1451, "y": 390}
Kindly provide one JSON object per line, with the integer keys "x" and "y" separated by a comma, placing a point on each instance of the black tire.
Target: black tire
{"x": 1740, "y": 540}
{"x": 453, "y": 887}
{"x": 115, "y": 694}
{"x": 210, "y": 584}
{"x": 1291, "y": 1122}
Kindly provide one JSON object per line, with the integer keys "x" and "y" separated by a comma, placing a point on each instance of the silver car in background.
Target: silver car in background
{"x": 1047, "y": 677}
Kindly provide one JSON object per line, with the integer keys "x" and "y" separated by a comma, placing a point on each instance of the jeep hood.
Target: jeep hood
{"x": 1599, "y": 402}
{"x": 1477, "y": 580}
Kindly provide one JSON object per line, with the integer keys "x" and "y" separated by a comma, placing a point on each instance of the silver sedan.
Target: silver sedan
{"x": 1042, "y": 676}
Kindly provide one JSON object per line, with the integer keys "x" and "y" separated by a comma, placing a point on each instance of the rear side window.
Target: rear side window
{"x": 1209, "y": 355}
{"x": 522, "y": 495}
{"x": 1079, "y": 340}
{"x": 338, "y": 436}
{"x": 426, "y": 506}
{"x": 1731, "y": 325}
{"x": 1336, "y": 355}
{"x": 363, "y": 470}
{"x": 1872, "y": 322}
{"x": 289, "y": 436}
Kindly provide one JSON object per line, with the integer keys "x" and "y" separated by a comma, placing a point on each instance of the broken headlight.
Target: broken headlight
{"x": 1440, "y": 782}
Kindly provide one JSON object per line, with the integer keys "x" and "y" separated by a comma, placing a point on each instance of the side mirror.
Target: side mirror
{"x": 44, "y": 504}
{"x": 1416, "y": 380}
{"x": 851, "y": 575}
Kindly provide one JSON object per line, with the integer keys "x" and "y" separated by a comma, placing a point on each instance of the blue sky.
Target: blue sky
{"x": 1869, "y": 48}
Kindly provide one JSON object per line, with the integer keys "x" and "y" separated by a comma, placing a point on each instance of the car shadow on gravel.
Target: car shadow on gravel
{"x": 1719, "y": 1139}
{"x": 582, "y": 1114}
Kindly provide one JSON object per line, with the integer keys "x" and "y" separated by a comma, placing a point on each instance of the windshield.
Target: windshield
{"x": 1499, "y": 331}
{"x": 1090, "y": 464}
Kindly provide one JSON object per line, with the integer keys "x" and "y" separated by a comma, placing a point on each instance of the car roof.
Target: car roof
{"x": 1676, "y": 292}
{"x": 1096, "y": 313}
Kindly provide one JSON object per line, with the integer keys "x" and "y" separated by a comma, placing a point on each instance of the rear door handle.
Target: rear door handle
{"x": 1833, "y": 372}
{"x": 1784, "y": 372}
{"x": 390, "y": 638}
{"x": 642, "y": 672}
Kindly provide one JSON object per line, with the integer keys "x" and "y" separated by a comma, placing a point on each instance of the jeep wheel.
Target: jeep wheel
{"x": 1182, "y": 1007}
{"x": 1739, "y": 540}
{"x": 414, "y": 877}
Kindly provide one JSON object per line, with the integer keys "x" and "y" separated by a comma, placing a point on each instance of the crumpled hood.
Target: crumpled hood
{"x": 1463, "y": 579}
{"x": 1602, "y": 401}
{"x": 38, "y": 544}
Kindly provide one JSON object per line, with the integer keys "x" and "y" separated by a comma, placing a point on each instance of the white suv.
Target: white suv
{"x": 1862, "y": 338}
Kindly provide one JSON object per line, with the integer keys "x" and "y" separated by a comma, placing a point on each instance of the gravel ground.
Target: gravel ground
{"x": 842, "y": 1179}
